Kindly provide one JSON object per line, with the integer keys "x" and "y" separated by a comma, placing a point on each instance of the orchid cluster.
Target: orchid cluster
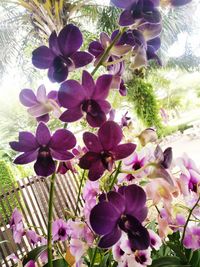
{"x": 141, "y": 207}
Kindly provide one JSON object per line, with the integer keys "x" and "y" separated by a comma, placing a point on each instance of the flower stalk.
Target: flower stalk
{"x": 50, "y": 220}
{"x": 188, "y": 219}
{"x": 79, "y": 192}
{"x": 106, "y": 53}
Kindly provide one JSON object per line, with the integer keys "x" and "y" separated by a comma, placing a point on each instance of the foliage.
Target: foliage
{"x": 142, "y": 96}
{"x": 7, "y": 181}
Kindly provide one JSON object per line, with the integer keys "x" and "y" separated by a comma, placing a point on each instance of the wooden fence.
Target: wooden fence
{"x": 30, "y": 195}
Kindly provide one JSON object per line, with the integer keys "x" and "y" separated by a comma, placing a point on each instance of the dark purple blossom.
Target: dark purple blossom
{"x": 62, "y": 55}
{"x": 97, "y": 48}
{"x": 40, "y": 104}
{"x": 87, "y": 98}
{"x": 137, "y": 11}
{"x": 104, "y": 149}
{"x": 43, "y": 148}
{"x": 124, "y": 210}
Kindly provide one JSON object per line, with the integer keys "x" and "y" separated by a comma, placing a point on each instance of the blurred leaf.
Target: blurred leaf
{"x": 58, "y": 263}
{"x": 33, "y": 254}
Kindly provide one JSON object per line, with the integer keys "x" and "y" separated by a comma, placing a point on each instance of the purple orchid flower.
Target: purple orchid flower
{"x": 88, "y": 97}
{"x": 59, "y": 230}
{"x": 62, "y": 55}
{"x": 125, "y": 211}
{"x": 145, "y": 44}
{"x": 33, "y": 237}
{"x": 97, "y": 48}
{"x": 138, "y": 10}
{"x": 104, "y": 149}
{"x": 31, "y": 263}
{"x": 192, "y": 238}
{"x": 40, "y": 104}
{"x": 17, "y": 226}
{"x": 43, "y": 148}
{"x": 162, "y": 164}
{"x": 190, "y": 175}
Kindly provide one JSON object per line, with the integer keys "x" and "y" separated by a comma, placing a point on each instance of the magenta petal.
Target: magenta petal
{"x": 95, "y": 48}
{"x": 88, "y": 83}
{"x": 117, "y": 200}
{"x": 96, "y": 121}
{"x": 43, "y": 135}
{"x": 110, "y": 239}
{"x": 81, "y": 59}
{"x": 31, "y": 263}
{"x": 103, "y": 218}
{"x": 72, "y": 114}
{"x": 103, "y": 85}
{"x": 126, "y": 18}
{"x": 43, "y": 118}
{"x": 125, "y": 4}
{"x": 61, "y": 155}
{"x": 53, "y": 43}
{"x": 42, "y": 57}
{"x": 96, "y": 170}
{"x": 92, "y": 142}
{"x": 88, "y": 160}
{"x": 135, "y": 199}
{"x": 26, "y": 157}
{"x": 58, "y": 72}
{"x": 104, "y": 105}
{"x": 44, "y": 166}
{"x": 137, "y": 234}
{"x": 71, "y": 94}
{"x": 41, "y": 94}
{"x": 110, "y": 134}
{"x": 27, "y": 142}
{"x": 27, "y": 98}
{"x": 62, "y": 139}
{"x": 70, "y": 39}
{"x": 123, "y": 151}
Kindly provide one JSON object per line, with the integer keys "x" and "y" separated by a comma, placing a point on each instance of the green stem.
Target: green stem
{"x": 50, "y": 220}
{"x": 188, "y": 219}
{"x": 139, "y": 170}
{"x": 79, "y": 192}
{"x": 115, "y": 176}
{"x": 93, "y": 257}
{"x": 107, "y": 51}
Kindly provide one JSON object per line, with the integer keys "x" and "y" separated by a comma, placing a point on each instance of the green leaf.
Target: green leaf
{"x": 4, "y": 241}
{"x": 33, "y": 254}
{"x": 104, "y": 261}
{"x": 58, "y": 263}
{"x": 195, "y": 261}
{"x": 166, "y": 262}
{"x": 177, "y": 249}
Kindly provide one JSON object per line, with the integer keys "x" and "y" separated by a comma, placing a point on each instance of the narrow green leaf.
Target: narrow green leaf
{"x": 166, "y": 262}
{"x": 33, "y": 254}
{"x": 4, "y": 241}
{"x": 195, "y": 261}
{"x": 58, "y": 263}
{"x": 177, "y": 249}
